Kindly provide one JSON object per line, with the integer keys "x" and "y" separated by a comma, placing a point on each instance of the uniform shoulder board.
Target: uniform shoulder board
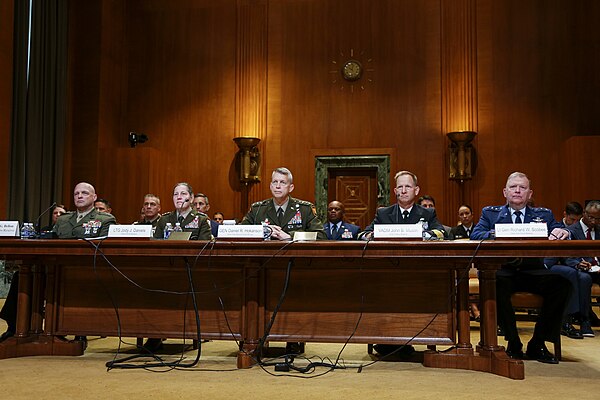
{"x": 199, "y": 213}
{"x": 304, "y": 203}
{"x": 543, "y": 209}
{"x": 260, "y": 203}
{"x": 493, "y": 208}
{"x": 166, "y": 214}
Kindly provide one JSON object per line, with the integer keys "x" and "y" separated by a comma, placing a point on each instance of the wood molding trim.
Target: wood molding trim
{"x": 251, "y": 78}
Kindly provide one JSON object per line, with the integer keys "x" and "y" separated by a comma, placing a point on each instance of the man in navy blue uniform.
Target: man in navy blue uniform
{"x": 405, "y": 211}
{"x": 528, "y": 275}
{"x": 335, "y": 227}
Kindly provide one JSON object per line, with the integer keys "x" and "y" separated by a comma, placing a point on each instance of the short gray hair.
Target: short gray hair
{"x": 283, "y": 171}
{"x": 592, "y": 205}
{"x": 517, "y": 174}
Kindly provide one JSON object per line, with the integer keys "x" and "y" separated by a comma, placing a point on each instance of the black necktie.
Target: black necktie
{"x": 180, "y": 219}
{"x": 468, "y": 232}
{"x": 404, "y": 215}
{"x": 280, "y": 215}
{"x": 518, "y": 219}
{"x": 334, "y": 229}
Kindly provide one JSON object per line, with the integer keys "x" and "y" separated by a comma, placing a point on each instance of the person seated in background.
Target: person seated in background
{"x": 202, "y": 205}
{"x": 464, "y": 229}
{"x": 87, "y": 222}
{"x": 335, "y": 227}
{"x": 573, "y": 212}
{"x": 581, "y": 271}
{"x": 103, "y": 205}
{"x": 218, "y": 217}
{"x": 150, "y": 211}
{"x": 427, "y": 201}
{"x": 57, "y": 211}
{"x": 526, "y": 274}
{"x": 188, "y": 219}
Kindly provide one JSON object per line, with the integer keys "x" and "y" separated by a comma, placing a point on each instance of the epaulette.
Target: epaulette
{"x": 304, "y": 202}
{"x": 493, "y": 208}
{"x": 540, "y": 209}
{"x": 260, "y": 203}
{"x": 166, "y": 214}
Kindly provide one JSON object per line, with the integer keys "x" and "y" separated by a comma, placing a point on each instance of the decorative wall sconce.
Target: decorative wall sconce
{"x": 248, "y": 159}
{"x": 462, "y": 155}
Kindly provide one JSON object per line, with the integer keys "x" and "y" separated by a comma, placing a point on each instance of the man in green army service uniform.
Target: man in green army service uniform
{"x": 283, "y": 213}
{"x": 86, "y": 222}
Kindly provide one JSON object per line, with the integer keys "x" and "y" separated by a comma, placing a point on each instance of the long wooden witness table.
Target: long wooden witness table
{"x": 400, "y": 291}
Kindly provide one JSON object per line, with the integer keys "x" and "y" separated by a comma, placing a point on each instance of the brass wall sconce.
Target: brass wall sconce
{"x": 248, "y": 159}
{"x": 462, "y": 155}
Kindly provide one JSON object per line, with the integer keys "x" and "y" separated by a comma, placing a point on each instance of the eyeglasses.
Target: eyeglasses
{"x": 591, "y": 217}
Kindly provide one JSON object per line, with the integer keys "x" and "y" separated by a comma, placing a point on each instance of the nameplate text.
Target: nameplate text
{"x": 531, "y": 230}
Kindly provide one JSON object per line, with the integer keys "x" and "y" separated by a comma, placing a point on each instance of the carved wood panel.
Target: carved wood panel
{"x": 356, "y": 188}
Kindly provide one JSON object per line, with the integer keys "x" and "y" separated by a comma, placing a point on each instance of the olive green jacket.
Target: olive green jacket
{"x": 300, "y": 216}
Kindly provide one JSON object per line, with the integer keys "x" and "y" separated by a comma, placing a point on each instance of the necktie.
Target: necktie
{"x": 468, "y": 232}
{"x": 180, "y": 219}
{"x": 334, "y": 230}
{"x": 588, "y": 236}
{"x": 518, "y": 219}
{"x": 280, "y": 215}
{"x": 404, "y": 215}
{"x": 80, "y": 217}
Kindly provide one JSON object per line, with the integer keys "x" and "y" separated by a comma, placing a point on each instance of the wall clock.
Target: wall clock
{"x": 352, "y": 70}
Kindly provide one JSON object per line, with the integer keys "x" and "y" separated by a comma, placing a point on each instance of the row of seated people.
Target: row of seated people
{"x": 287, "y": 215}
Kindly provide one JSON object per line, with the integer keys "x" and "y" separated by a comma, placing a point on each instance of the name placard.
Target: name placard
{"x": 304, "y": 236}
{"x": 533, "y": 230}
{"x": 398, "y": 231}
{"x": 9, "y": 229}
{"x": 240, "y": 232}
{"x": 130, "y": 231}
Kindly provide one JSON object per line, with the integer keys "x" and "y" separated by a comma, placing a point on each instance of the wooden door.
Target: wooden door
{"x": 357, "y": 189}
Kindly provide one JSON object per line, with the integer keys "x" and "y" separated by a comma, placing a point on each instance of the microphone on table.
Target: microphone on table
{"x": 39, "y": 219}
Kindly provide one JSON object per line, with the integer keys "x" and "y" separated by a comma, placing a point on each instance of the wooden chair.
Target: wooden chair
{"x": 529, "y": 303}
{"x": 526, "y": 301}
{"x": 595, "y": 295}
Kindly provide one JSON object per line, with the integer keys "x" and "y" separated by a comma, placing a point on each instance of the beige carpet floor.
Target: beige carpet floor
{"x": 216, "y": 376}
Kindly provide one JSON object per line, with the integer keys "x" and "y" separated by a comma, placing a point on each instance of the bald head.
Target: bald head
{"x": 335, "y": 212}
{"x": 84, "y": 196}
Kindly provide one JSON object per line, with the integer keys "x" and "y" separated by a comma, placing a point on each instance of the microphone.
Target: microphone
{"x": 39, "y": 219}
{"x": 183, "y": 204}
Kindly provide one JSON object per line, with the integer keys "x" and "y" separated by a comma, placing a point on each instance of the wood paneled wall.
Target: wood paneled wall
{"x": 194, "y": 74}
